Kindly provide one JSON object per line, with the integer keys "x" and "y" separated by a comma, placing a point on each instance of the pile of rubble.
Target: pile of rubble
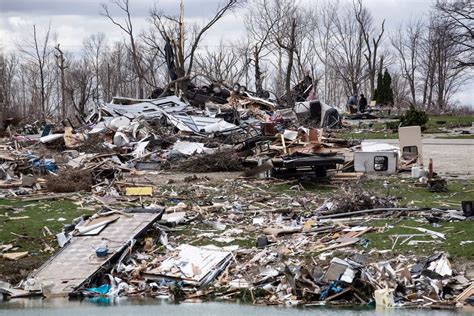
{"x": 242, "y": 240}
{"x": 227, "y": 130}
{"x": 236, "y": 239}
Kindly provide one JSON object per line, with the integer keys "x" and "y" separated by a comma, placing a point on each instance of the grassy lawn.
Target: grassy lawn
{"x": 409, "y": 193}
{"x": 455, "y": 233}
{"x": 434, "y": 125}
{"x": 391, "y": 135}
{"x": 28, "y": 234}
{"x": 50, "y": 214}
{"x": 448, "y": 121}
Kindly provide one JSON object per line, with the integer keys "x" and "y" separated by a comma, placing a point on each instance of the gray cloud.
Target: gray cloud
{"x": 139, "y": 8}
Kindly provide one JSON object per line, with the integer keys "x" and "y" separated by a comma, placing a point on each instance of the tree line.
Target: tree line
{"x": 337, "y": 44}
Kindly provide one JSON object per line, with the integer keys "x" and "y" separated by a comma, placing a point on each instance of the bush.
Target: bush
{"x": 414, "y": 117}
{"x": 393, "y": 125}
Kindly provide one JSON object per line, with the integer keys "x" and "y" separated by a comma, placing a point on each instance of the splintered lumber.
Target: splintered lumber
{"x": 465, "y": 294}
{"x": 429, "y": 232}
{"x": 348, "y": 175}
{"x": 374, "y": 210}
{"x": 344, "y": 244}
{"x": 283, "y": 143}
{"x": 345, "y": 176}
{"x": 15, "y": 255}
{"x": 329, "y": 298}
{"x": 9, "y": 185}
{"x": 281, "y": 231}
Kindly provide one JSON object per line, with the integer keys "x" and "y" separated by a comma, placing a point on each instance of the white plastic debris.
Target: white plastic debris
{"x": 384, "y": 297}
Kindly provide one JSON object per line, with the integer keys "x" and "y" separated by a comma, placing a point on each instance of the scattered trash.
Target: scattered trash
{"x": 219, "y": 236}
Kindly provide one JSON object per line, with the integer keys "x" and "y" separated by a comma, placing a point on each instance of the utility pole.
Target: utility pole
{"x": 60, "y": 59}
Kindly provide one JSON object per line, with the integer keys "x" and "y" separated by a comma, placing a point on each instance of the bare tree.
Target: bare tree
{"x": 127, "y": 28}
{"x": 407, "y": 44}
{"x": 259, "y": 29}
{"x": 3, "y": 88}
{"x": 94, "y": 50}
{"x": 440, "y": 72}
{"x": 348, "y": 49}
{"x": 80, "y": 84}
{"x": 280, "y": 23}
{"x": 448, "y": 74}
{"x": 226, "y": 64}
{"x": 39, "y": 51}
{"x": 372, "y": 42}
{"x": 172, "y": 30}
{"x": 8, "y": 66}
{"x": 461, "y": 15}
{"x": 62, "y": 66}
{"x": 323, "y": 17}
{"x": 284, "y": 35}
{"x": 401, "y": 89}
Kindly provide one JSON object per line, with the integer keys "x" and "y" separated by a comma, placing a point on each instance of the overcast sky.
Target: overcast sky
{"x": 74, "y": 20}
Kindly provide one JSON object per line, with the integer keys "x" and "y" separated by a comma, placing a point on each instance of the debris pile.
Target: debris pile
{"x": 353, "y": 198}
{"x": 230, "y": 238}
{"x": 241, "y": 240}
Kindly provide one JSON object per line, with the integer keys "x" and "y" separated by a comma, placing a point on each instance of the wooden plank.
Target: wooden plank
{"x": 15, "y": 255}
{"x": 465, "y": 294}
{"x": 337, "y": 294}
{"x": 344, "y": 244}
{"x": 283, "y": 143}
{"x": 139, "y": 191}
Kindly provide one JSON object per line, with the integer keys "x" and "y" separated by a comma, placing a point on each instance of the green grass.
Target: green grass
{"x": 434, "y": 125}
{"x": 410, "y": 194}
{"x": 455, "y": 232}
{"x": 413, "y": 195}
{"x": 405, "y": 189}
{"x": 40, "y": 214}
{"x": 447, "y": 121}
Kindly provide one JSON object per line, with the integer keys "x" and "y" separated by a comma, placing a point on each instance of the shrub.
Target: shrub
{"x": 393, "y": 125}
{"x": 414, "y": 117}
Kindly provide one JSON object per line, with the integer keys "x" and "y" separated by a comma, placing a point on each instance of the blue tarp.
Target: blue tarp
{"x": 103, "y": 289}
{"x": 43, "y": 165}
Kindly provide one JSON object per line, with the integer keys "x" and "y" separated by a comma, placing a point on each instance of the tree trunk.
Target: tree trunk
{"x": 258, "y": 73}
{"x": 43, "y": 94}
{"x": 291, "y": 50}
